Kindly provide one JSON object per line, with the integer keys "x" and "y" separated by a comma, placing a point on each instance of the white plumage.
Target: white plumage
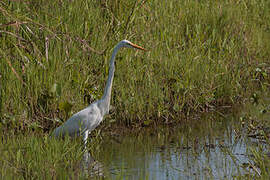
{"x": 86, "y": 120}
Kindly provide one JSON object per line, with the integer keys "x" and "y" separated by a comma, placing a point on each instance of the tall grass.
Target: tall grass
{"x": 30, "y": 157}
{"x": 202, "y": 55}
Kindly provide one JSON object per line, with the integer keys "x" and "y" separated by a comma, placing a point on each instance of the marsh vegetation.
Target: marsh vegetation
{"x": 210, "y": 56}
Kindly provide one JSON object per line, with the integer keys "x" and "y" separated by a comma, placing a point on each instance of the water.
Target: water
{"x": 208, "y": 148}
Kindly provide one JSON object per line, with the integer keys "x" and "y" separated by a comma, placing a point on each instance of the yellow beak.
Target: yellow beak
{"x": 137, "y": 47}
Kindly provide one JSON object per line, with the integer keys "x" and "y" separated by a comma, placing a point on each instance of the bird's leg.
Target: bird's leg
{"x": 85, "y": 137}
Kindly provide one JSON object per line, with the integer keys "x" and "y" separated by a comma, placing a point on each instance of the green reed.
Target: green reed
{"x": 202, "y": 55}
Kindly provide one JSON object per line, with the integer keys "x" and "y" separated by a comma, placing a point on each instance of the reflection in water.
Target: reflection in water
{"x": 207, "y": 159}
{"x": 216, "y": 150}
{"x": 91, "y": 167}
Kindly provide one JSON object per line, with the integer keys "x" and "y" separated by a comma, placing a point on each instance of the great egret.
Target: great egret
{"x": 84, "y": 121}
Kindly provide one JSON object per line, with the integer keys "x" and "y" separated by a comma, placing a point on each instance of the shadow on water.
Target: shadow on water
{"x": 212, "y": 147}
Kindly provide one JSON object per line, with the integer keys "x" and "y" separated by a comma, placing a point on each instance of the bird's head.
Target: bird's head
{"x": 128, "y": 44}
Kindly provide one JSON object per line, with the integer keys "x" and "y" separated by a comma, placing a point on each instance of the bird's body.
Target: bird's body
{"x": 86, "y": 120}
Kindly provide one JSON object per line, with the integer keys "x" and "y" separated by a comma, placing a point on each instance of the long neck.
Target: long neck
{"x": 108, "y": 89}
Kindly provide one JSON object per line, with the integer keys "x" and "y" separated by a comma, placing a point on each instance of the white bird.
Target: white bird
{"x": 86, "y": 120}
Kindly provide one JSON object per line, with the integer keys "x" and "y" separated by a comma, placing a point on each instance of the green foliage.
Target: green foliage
{"x": 32, "y": 157}
{"x": 54, "y": 57}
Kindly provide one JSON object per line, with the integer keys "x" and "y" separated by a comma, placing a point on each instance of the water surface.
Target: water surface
{"x": 210, "y": 147}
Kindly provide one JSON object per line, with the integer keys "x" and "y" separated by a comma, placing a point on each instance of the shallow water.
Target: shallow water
{"x": 211, "y": 147}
